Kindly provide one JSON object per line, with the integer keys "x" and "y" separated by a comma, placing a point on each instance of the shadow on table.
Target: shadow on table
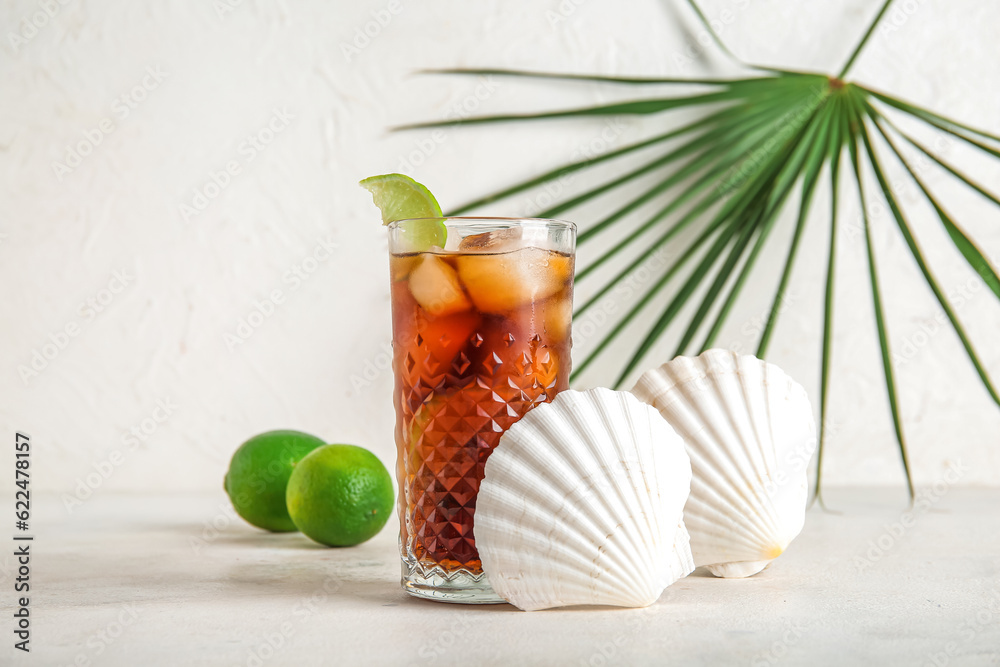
{"x": 322, "y": 583}
{"x": 367, "y": 572}
{"x": 236, "y": 533}
{"x": 406, "y": 600}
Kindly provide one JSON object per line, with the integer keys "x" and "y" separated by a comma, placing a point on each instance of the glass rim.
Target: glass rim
{"x": 473, "y": 219}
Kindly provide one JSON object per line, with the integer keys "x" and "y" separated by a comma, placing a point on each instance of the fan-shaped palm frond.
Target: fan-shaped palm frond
{"x": 735, "y": 169}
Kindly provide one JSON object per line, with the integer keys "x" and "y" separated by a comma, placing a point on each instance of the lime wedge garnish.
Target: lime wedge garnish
{"x": 400, "y": 197}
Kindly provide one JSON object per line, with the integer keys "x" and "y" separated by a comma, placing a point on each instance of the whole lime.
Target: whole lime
{"x": 258, "y": 476}
{"x": 340, "y": 495}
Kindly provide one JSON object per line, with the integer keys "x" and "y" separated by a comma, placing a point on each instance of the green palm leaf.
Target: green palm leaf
{"x": 838, "y": 131}
{"x": 727, "y": 176}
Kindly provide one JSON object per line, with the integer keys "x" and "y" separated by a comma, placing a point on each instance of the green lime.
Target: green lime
{"x": 400, "y": 197}
{"x": 340, "y": 495}
{"x": 258, "y": 476}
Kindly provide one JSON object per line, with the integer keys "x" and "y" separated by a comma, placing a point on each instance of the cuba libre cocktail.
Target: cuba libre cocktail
{"x": 481, "y": 334}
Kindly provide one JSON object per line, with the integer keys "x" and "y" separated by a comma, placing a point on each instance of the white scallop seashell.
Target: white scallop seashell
{"x": 750, "y": 433}
{"x": 582, "y": 504}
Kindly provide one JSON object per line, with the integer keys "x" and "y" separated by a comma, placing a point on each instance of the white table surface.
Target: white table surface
{"x": 131, "y": 580}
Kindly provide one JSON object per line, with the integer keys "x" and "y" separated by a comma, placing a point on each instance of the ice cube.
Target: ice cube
{"x": 434, "y": 284}
{"x": 556, "y": 315}
{"x": 499, "y": 240}
{"x": 500, "y": 283}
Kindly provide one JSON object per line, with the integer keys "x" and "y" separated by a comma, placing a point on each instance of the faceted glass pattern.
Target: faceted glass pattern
{"x": 453, "y": 416}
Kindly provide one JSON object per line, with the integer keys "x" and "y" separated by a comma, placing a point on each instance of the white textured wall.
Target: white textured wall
{"x": 179, "y": 88}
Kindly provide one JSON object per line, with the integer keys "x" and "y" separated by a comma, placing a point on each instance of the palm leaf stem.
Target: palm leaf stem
{"x": 708, "y": 26}
{"x": 864, "y": 40}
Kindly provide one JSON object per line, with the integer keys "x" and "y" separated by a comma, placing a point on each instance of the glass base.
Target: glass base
{"x": 461, "y": 586}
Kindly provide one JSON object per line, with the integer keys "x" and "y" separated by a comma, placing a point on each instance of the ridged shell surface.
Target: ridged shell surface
{"x": 750, "y": 433}
{"x": 582, "y": 504}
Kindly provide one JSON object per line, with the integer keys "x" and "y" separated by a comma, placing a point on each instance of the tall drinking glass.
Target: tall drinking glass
{"x": 481, "y": 334}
